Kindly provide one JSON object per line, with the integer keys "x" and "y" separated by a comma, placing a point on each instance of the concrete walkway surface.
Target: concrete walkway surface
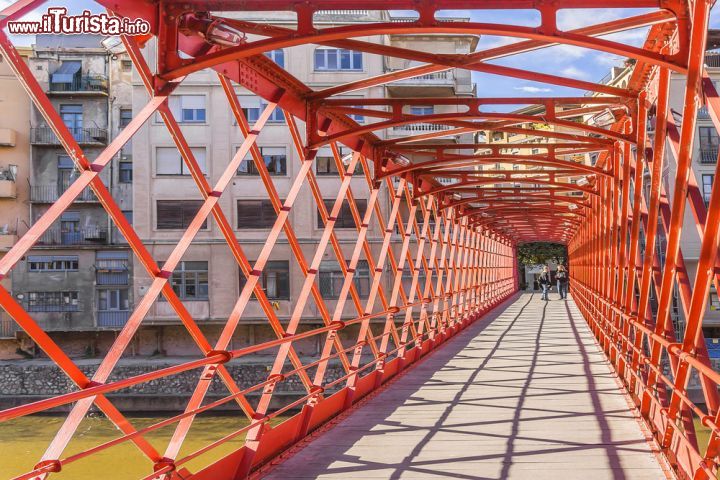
{"x": 522, "y": 394}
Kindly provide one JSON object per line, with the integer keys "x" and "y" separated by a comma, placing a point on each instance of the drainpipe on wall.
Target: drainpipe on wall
{"x": 110, "y": 99}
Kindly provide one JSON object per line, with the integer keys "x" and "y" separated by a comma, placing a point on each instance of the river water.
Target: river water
{"x": 23, "y": 441}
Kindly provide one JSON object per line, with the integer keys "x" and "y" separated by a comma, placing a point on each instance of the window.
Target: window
{"x": 407, "y": 277}
{"x": 253, "y": 106}
{"x": 72, "y": 117}
{"x": 52, "y": 263}
{"x": 334, "y": 59}
{"x": 125, "y": 174}
{"x": 325, "y": 161}
{"x": 708, "y": 144}
{"x": 714, "y": 302}
{"x": 113, "y": 300}
{"x": 275, "y": 160}
{"x": 125, "y": 117}
{"x": 192, "y": 108}
{"x": 344, "y": 218}
{"x": 66, "y": 173}
{"x": 112, "y": 267}
{"x": 70, "y": 233}
{"x": 356, "y": 116}
{"x": 168, "y": 161}
{"x": 275, "y": 280}
{"x": 325, "y": 165}
{"x": 708, "y": 137}
{"x": 186, "y": 108}
{"x": 330, "y": 278}
{"x": 177, "y": 214}
{"x": 418, "y": 110}
{"x": 53, "y": 302}
{"x": 707, "y": 181}
{"x": 128, "y": 215}
{"x": 190, "y": 280}
{"x": 277, "y": 56}
{"x": 255, "y": 214}
{"x": 126, "y": 65}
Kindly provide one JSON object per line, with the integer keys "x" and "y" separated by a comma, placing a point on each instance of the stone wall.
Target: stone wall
{"x": 29, "y": 380}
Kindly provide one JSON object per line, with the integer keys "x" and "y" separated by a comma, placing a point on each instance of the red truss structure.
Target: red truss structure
{"x": 459, "y": 218}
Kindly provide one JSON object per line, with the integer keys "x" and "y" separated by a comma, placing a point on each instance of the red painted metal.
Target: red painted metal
{"x": 446, "y": 214}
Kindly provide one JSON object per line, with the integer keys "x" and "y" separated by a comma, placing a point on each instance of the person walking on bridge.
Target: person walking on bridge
{"x": 562, "y": 281}
{"x": 545, "y": 282}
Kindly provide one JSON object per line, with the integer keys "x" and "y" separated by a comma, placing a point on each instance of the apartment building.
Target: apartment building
{"x": 14, "y": 186}
{"x": 76, "y": 282}
{"x": 704, "y": 163}
{"x": 208, "y": 280}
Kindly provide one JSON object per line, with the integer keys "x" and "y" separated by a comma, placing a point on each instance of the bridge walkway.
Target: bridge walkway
{"x": 522, "y": 394}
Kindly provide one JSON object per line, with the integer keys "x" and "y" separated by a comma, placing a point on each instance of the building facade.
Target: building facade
{"x": 14, "y": 182}
{"x": 76, "y": 282}
{"x": 208, "y": 280}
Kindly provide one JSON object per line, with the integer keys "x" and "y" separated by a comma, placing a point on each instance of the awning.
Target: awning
{"x": 66, "y": 73}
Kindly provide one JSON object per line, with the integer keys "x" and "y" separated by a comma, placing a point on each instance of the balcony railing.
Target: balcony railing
{"x": 343, "y": 12}
{"x": 712, "y": 60}
{"x": 703, "y": 114}
{"x": 708, "y": 155}
{"x": 112, "y": 319}
{"x": 82, "y": 236}
{"x": 45, "y": 136}
{"x": 437, "y": 78}
{"x": 50, "y": 193}
{"x": 421, "y": 127}
{"x": 88, "y": 83}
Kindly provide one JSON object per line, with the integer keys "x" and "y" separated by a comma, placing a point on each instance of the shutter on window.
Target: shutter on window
{"x": 190, "y": 209}
{"x": 248, "y": 211}
{"x": 167, "y": 161}
{"x": 200, "y": 156}
{"x": 169, "y": 215}
{"x": 268, "y": 216}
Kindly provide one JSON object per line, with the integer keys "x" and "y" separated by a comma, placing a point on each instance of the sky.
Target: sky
{"x": 568, "y": 61}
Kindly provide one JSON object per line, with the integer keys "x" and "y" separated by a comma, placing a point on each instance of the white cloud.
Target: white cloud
{"x": 608, "y": 59}
{"x": 492, "y": 41}
{"x": 574, "y": 72}
{"x": 530, "y": 89}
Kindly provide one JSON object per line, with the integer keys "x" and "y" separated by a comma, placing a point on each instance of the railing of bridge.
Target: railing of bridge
{"x": 628, "y": 292}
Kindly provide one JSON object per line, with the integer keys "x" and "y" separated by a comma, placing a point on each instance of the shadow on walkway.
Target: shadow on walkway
{"x": 521, "y": 394}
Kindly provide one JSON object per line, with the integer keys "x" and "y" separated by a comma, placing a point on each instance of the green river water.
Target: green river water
{"x": 23, "y": 441}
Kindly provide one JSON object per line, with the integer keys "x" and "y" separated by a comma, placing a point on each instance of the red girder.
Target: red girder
{"x": 456, "y": 240}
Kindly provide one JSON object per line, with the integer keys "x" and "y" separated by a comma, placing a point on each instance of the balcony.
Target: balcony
{"x": 708, "y": 154}
{"x": 112, "y": 318}
{"x": 8, "y": 136}
{"x": 418, "y": 129}
{"x": 7, "y": 188}
{"x": 84, "y": 136}
{"x": 50, "y": 193}
{"x": 712, "y": 60}
{"x": 83, "y": 236}
{"x": 7, "y": 239}
{"x": 434, "y": 84}
{"x": 88, "y": 84}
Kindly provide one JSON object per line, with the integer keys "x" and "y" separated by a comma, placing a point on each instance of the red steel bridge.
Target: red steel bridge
{"x": 459, "y": 337}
